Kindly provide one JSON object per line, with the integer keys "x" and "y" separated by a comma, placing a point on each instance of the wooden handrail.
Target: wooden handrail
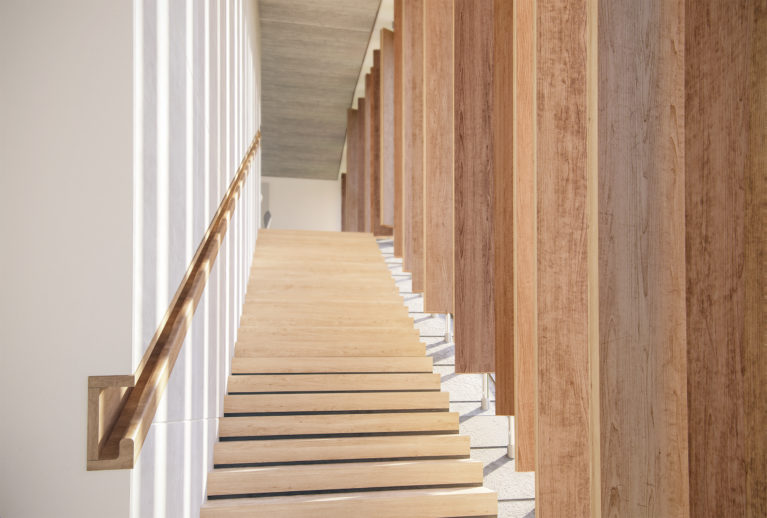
{"x": 122, "y": 408}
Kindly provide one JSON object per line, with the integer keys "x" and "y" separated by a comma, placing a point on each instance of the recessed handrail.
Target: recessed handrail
{"x": 121, "y": 408}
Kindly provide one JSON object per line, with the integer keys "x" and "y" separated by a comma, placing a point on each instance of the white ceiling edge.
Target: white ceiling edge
{"x": 384, "y": 20}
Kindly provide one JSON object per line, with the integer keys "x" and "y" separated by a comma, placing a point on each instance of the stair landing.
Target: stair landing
{"x": 332, "y": 406}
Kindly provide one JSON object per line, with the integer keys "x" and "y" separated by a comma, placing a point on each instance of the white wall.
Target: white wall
{"x": 302, "y": 204}
{"x": 65, "y": 265}
{"x": 197, "y": 109}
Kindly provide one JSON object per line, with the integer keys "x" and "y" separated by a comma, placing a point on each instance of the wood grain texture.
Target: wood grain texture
{"x": 725, "y": 206}
{"x": 525, "y": 257}
{"x": 353, "y": 174}
{"x": 413, "y": 150}
{"x": 360, "y": 164}
{"x": 755, "y": 337}
{"x": 374, "y": 101}
{"x": 386, "y": 102}
{"x": 503, "y": 205}
{"x": 473, "y": 188}
{"x": 438, "y": 156}
{"x": 344, "y": 222}
{"x": 399, "y": 206}
{"x": 642, "y": 344}
{"x": 368, "y": 201}
{"x": 563, "y": 460}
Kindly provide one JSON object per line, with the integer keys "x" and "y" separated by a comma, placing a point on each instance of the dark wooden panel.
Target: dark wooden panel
{"x": 503, "y": 205}
{"x": 353, "y": 174}
{"x": 438, "y": 156}
{"x": 344, "y": 222}
{"x": 563, "y": 461}
{"x": 360, "y": 165}
{"x": 641, "y": 320}
{"x": 525, "y": 266}
{"x": 399, "y": 208}
{"x": 725, "y": 206}
{"x": 413, "y": 149}
{"x": 368, "y": 152}
{"x": 386, "y": 100}
{"x": 474, "y": 244}
{"x": 374, "y": 100}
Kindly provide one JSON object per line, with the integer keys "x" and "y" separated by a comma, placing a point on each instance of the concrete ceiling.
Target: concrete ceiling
{"x": 311, "y": 54}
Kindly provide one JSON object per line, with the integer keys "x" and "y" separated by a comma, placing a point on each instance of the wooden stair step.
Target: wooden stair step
{"x": 386, "y": 335}
{"x": 353, "y": 475}
{"x": 332, "y": 382}
{"x": 260, "y": 365}
{"x": 308, "y": 349}
{"x": 335, "y": 402}
{"x": 340, "y": 448}
{"x": 277, "y": 426}
{"x": 411, "y": 503}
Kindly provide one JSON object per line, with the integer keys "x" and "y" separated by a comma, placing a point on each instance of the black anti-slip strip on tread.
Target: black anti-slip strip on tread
{"x": 337, "y": 461}
{"x": 334, "y": 435}
{"x": 349, "y": 490}
{"x": 333, "y": 412}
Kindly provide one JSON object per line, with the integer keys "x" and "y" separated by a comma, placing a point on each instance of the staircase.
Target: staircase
{"x": 332, "y": 408}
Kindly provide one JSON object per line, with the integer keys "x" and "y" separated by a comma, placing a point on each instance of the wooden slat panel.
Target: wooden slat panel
{"x": 525, "y": 257}
{"x": 386, "y": 102}
{"x": 474, "y": 244}
{"x": 438, "y": 156}
{"x": 725, "y": 134}
{"x": 503, "y": 208}
{"x": 353, "y": 175}
{"x": 424, "y": 503}
{"x": 344, "y": 223}
{"x": 413, "y": 149}
{"x": 375, "y": 145}
{"x": 641, "y": 404}
{"x": 563, "y": 474}
{"x": 368, "y": 152}
{"x": 399, "y": 194}
{"x": 361, "y": 183}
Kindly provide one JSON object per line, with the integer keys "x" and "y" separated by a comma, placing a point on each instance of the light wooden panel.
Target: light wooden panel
{"x": 438, "y": 156}
{"x": 474, "y": 243}
{"x": 374, "y": 101}
{"x": 353, "y": 174}
{"x": 360, "y": 164}
{"x": 725, "y": 204}
{"x": 386, "y": 101}
{"x": 642, "y": 399}
{"x": 368, "y": 153}
{"x": 503, "y": 207}
{"x": 525, "y": 258}
{"x": 563, "y": 461}
{"x": 413, "y": 135}
{"x": 399, "y": 208}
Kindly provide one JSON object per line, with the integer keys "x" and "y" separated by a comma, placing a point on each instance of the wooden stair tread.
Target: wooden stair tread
{"x": 308, "y": 349}
{"x": 273, "y": 426}
{"x": 332, "y": 382}
{"x": 257, "y": 365}
{"x": 353, "y": 475}
{"x": 340, "y": 448}
{"x": 411, "y": 503}
{"x": 335, "y": 402}
{"x": 387, "y": 334}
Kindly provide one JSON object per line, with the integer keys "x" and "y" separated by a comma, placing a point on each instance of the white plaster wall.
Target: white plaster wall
{"x": 65, "y": 264}
{"x": 196, "y": 111}
{"x": 303, "y": 204}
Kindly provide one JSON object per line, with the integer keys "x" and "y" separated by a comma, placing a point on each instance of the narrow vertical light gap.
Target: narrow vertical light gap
{"x": 205, "y": 197}
{"x": 138, "y": 220}
{"x": 188, "y": 250}
{"x": 162, "y": 243}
